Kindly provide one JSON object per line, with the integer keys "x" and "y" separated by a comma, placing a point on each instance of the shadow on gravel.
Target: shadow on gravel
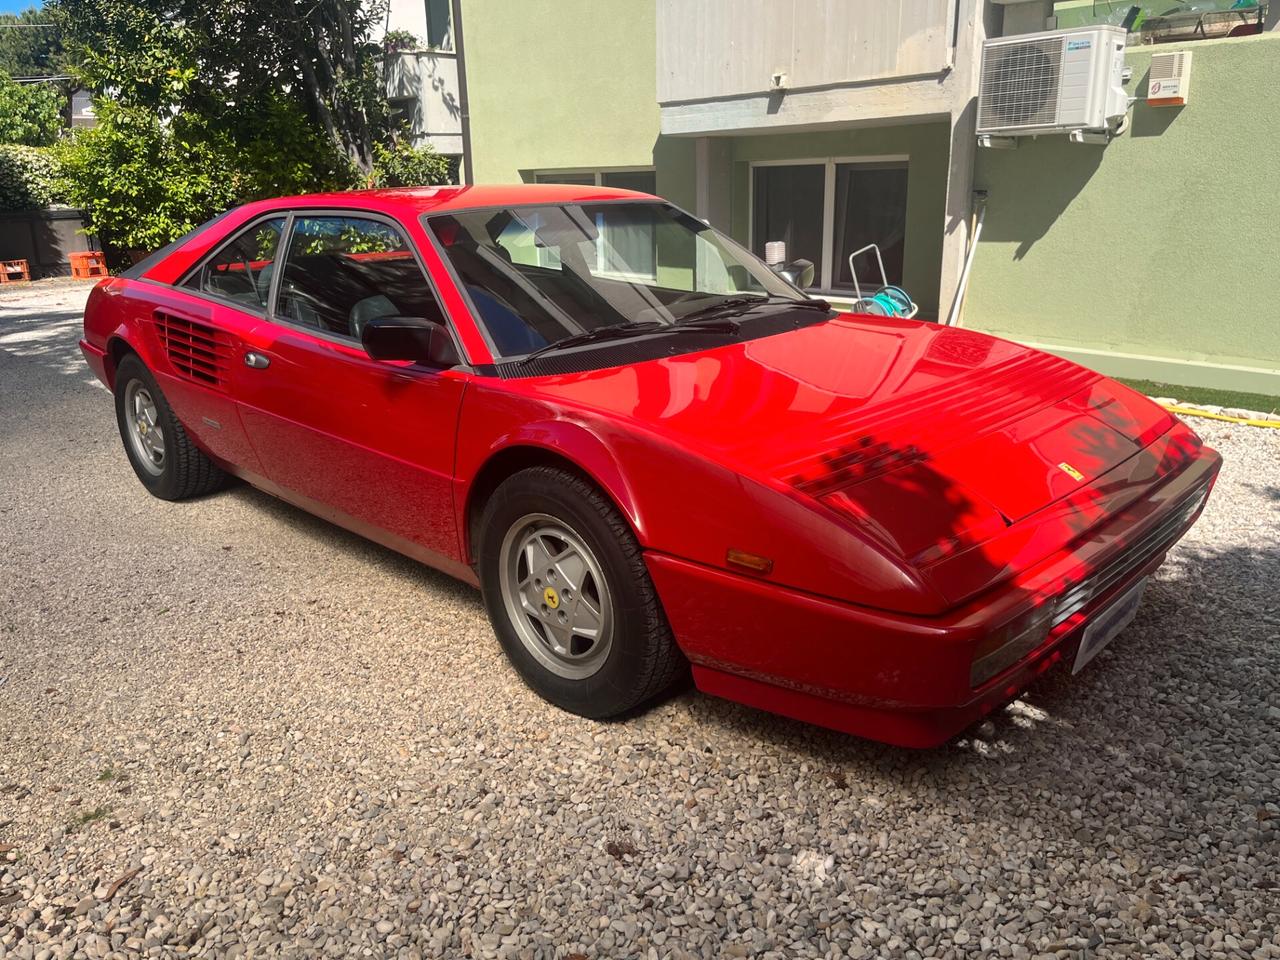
{"x": 1208, "y": 656}
{"x": 49, "y": 339}
{"x": 338, "y": 542}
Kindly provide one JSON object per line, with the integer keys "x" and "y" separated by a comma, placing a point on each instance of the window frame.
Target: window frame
{"x": 286, "y": 242}
{"x": 595, "y": 172}
{"x": 182, "y": 283}
{"x": 825, "y": 272}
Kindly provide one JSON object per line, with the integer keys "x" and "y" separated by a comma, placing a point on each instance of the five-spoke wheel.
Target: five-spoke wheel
{"x": 556, "y": 595}
{"x": 144, "y": 431}
{"x": 569, "y": 595}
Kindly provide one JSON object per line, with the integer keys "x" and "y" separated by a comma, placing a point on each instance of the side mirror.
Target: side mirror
{"x": 415, "y": 339}
{"x": 799, "y": 272}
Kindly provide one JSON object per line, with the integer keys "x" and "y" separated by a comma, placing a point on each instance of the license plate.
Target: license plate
{"x": 1107, "y": 624}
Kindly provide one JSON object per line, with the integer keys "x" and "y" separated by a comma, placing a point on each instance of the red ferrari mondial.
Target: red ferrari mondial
{"x": 651, "y": 451}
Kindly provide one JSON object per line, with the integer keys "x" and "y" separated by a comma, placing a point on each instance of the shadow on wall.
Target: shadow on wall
{"x": 1151, "y": 121}
{"x": 1030, "y": 187}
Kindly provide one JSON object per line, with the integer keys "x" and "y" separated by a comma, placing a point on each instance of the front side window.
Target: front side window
{"x": 540, "y": 274}
{"x": 241, "y": 271}
{"x": 340, "y": 272}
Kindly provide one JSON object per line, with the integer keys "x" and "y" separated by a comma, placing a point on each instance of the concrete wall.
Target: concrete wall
{"x": 428, "y": 80}
{"x": 1155, "y": 255}
{"x": 728, "y": 48}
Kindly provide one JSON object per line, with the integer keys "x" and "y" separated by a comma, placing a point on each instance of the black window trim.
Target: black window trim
{"x": 198, "y": 267}
{"x": 291, "y": 215}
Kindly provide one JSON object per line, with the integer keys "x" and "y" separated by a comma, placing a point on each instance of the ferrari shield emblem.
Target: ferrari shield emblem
{"x": 1071, "y": 471}
{"x": 550, "y": 598}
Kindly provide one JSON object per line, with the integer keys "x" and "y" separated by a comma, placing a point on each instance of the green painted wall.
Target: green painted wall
{"x": 926, "y": 148}
{"x": 540, "y": 99}
{"x": 556, "y": 84}
{"x": 1160, "y": 246}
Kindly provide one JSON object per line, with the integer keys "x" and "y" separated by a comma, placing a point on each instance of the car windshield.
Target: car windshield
{"x": 538, "y": 275}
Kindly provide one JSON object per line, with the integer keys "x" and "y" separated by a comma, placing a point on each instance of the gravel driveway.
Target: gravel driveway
{"x": 229, "y": 729}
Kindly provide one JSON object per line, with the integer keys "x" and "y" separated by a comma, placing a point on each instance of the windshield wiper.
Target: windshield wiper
{"x": 719, "y": 312}
{"x": 612, "y": 331}
{"x": 617, "y": 331}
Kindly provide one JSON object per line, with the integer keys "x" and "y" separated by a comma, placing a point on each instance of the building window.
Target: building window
{"x": 439, "y": 25}
{"x": 645, "y": 181}
{"x": 825, "y": 210}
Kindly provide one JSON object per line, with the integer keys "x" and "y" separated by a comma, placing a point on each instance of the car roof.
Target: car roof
{"x": 417, "y": 200}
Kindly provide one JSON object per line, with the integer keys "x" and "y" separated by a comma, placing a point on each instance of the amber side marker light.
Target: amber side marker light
{"x": 748, "y": 561}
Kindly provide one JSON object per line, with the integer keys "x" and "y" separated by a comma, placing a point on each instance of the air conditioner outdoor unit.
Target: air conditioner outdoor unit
{"x": 1059, "y": 81}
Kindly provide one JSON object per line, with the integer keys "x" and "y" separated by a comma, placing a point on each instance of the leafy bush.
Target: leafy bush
{"x": 403, "y": 165}
{"x": 30, "y": 113}
{"x": 397, "y": 40}
{"x": 143, "y": 184}
{"x": 28, "y": 177}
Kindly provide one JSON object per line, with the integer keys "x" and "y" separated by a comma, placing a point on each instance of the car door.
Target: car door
{"x": 200, "y": 329}
{"x": 365, "y": 443}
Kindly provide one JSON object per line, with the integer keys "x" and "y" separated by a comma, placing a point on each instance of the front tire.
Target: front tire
{"x": 571, "y": 601}
{"x": 165, "y": 459}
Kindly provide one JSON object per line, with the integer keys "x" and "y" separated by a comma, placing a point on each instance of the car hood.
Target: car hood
{"x": 928, "y": 438}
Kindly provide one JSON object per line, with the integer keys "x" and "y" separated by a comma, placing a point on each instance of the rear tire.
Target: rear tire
{"x": 570, "y": 598}
{"x": 165, "y": 459}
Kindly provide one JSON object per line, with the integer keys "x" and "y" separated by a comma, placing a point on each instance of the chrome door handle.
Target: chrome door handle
{"x": 257, "y": 361}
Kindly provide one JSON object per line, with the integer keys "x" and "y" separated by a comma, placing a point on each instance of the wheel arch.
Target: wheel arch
{"x": 596, "y": 466}
{"x": 117, "y": 349}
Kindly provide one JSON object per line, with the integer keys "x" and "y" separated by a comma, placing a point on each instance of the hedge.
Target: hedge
{"x": 28, "y": 177}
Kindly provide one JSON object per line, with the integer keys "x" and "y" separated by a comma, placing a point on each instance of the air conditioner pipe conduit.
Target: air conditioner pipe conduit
{"x": 980, "y": 202}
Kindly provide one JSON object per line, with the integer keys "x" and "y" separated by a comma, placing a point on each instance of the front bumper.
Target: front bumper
{"x": 906, "y": 679}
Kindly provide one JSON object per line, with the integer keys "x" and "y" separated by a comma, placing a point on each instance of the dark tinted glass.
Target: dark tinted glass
{"x": 787, "y": 205}
{"x": 241, "y": 270}
{"x": 645, "y": 181}
{"x": 341, "y": 272}
{"x": 149, "y": 261}
{"x": 871, "y": 207}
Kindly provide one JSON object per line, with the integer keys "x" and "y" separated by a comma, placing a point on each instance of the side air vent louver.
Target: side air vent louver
{"x": 197, "y": 351}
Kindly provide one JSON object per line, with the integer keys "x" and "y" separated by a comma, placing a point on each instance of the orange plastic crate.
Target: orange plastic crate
{"x": 88, "y": 263}
{"x": 14, "y": 271}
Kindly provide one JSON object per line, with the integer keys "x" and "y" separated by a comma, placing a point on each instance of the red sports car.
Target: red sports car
{"x": 649, "y": 450}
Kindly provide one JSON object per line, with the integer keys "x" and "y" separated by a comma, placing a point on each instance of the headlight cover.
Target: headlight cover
{"x": 1010, "y": 643}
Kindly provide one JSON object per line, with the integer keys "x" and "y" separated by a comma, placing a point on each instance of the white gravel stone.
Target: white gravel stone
{"x": 287, "y": 741}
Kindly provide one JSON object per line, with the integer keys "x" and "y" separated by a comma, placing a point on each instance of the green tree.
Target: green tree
{"x": 229, "y": 59}
{"x": 30, "y": 113}
{"x": 403, "y": 165}
{"x": 30, "y": 45}
{"x": 142, "y": 183}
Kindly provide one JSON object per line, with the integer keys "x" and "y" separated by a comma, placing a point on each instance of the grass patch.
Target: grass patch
{"x": 86, "y": 818}
{"x": 107, "y": 775}
{"x": 1259, "y": 402}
